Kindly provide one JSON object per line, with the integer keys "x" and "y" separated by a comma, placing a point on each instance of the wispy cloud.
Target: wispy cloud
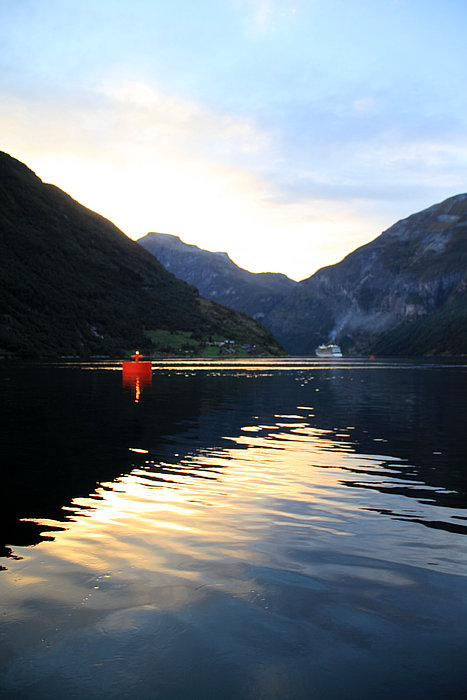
{"x": 364, "y": 104}
{"x": 267, "y": 16}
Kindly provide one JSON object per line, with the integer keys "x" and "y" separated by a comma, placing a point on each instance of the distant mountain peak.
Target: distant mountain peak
{"x": 171, "y": 240}
{"x": 224, "y": 256}
{"x": 217, "y": 277}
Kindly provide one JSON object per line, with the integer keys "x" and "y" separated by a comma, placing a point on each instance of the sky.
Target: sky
{"x": 284, "y": 132}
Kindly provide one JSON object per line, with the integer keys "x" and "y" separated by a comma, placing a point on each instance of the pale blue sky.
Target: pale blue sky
{"x": 286, "y": 133}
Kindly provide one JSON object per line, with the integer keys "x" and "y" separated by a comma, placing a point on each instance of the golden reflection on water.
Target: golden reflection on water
{"x": 166, "y": 519}
{"x": 192, "y": 521}
{"x": 250, "y": 365}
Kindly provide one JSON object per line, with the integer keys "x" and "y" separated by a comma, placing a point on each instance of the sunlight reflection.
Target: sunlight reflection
{"x": 137, "y": 517}
{"x": 171, "y": 528}
{"x": 188, "y": 514}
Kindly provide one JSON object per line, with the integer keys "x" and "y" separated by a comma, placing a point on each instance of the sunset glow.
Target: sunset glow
{"x": 286, "y": 134}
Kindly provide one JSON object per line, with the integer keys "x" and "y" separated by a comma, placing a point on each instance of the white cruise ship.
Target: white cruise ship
{"x": 328, "y": 351}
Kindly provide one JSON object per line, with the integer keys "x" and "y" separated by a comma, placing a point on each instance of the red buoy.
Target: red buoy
{"x": 137, "y": 375}
{"x": 137, "y": 368}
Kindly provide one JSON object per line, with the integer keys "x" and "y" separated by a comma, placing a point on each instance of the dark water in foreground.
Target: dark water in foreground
{"x": 269, "y": 529}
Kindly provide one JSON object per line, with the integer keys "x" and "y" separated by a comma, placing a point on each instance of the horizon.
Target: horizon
{"x": 240, "y": 127}
{"x": 226, "y": 252}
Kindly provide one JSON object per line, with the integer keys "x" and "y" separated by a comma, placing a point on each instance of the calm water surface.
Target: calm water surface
{"x": 244, "y": 529}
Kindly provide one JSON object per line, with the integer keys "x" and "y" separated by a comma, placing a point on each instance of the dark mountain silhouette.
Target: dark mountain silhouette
{"x": 72, "y": 283}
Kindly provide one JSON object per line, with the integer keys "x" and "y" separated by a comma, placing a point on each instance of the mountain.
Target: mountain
{"x": 73, "y": 284}
{"x": 404, "y": 293}
{"x": 217, "y": 277}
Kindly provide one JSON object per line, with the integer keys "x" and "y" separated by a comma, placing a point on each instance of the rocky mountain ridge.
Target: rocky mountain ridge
{"x": 217, "y": 277}
{"x": 390, "y": 295}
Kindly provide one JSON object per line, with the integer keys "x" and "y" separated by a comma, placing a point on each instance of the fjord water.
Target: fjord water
{"x": 291, "y": 528}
